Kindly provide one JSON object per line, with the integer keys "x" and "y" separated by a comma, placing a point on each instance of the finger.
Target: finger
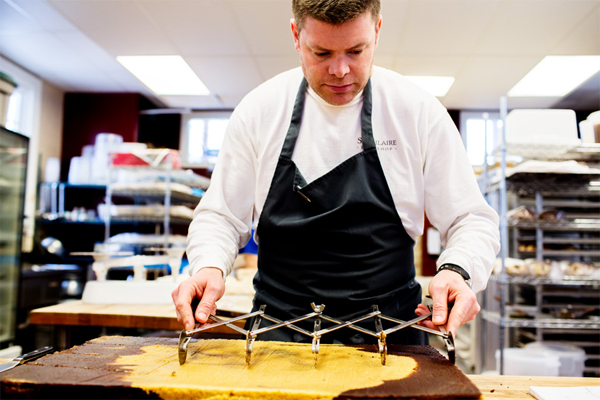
{"x": 475, "y": 308}
{"x": 440, "y": 308}
{"x": 454, "y": 321}
{"x": 183, "y": 306}
{"x": 428, "y": 324}
{"x": 174, "y": 295}
{"x": 208, "y": 305}
{"x": 422, "y": 309}
{"x": 204, "y": 309}
{"x": 470, "y": 314}
{"x": 179, "y": 308}
{"x": 464, "y": 309}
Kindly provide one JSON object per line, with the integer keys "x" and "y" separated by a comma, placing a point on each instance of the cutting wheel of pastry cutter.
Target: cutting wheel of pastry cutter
{"x": 186, "y": 335}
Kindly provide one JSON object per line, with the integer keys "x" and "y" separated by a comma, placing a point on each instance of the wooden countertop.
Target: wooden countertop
{"x": 517, "y": 387}
{"x": 143, "y": 316}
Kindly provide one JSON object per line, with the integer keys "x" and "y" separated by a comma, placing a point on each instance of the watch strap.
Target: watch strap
{"x": 459, "y": 270}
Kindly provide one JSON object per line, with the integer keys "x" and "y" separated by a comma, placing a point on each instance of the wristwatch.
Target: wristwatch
{"x": 458, "y": 270}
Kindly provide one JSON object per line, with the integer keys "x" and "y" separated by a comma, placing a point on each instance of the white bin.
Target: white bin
{"x": 572, "y": 358}
{"x": 528, "y": 362}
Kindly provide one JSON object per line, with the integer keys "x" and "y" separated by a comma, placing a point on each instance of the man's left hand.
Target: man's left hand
{"x": 445, "y": 288}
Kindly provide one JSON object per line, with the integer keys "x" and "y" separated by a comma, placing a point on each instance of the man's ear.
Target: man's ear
{"x": 295, "y": 34}
{"x": 377, "y": 30}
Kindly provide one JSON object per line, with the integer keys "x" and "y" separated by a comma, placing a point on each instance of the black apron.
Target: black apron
{"x": 336, "y": 241}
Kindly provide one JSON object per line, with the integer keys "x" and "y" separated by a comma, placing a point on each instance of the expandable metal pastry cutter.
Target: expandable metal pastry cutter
{"x": 186, "y": 336}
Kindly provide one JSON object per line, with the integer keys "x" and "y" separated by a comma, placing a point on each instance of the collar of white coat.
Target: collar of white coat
{"x": 315, "y": 96}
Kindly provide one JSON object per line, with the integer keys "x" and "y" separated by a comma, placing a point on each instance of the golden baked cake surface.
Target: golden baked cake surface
{"x": 138, "y": 367}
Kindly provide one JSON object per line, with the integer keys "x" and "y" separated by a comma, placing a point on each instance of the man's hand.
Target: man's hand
{"x": 206, "y": 285}
{"x": 445, "y": 288}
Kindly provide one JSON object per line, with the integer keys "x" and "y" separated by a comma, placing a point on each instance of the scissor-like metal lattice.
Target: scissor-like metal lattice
{"x": 318, "y": 332}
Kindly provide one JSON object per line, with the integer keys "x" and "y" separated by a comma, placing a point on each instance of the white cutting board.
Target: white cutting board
{"x": 565, "y": 393}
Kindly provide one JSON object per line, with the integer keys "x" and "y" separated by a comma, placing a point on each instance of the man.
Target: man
{"x": 336, "y": 163}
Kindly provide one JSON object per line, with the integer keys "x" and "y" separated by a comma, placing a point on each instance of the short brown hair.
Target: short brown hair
{"x": 334, "y": 12}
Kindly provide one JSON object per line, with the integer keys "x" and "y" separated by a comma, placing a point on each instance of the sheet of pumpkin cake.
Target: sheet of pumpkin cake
{"x": 216, "y": 368}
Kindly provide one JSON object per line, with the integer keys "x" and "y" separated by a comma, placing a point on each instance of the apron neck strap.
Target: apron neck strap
{"x": 365, "y": 118}
{"x": 294, "y": 129}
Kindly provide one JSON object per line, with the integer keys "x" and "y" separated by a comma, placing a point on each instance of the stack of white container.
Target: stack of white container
{"x": 92, "y": 166}
{"x": 543, "y": 359}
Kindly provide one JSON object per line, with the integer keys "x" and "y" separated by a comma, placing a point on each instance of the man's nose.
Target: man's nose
{"x": 339, "y": 67}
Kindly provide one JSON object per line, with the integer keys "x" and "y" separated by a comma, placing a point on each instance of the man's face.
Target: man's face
{"x": 337, "y": 59}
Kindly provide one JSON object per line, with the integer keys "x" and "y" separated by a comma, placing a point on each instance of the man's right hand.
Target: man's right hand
{"x": 206, "y": 285}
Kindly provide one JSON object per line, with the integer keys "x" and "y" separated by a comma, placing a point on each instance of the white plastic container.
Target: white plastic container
{"x": 528, "y": 362}
{"x": 52, "y": 170}
{"x": 572, "y": 358}
{"x": 103, "y": 145}
{"x": 542, "y": 126}
{"x": 74, "y": 171}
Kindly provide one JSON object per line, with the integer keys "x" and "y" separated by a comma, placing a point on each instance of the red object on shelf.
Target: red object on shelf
{"x": 148, "y": 158}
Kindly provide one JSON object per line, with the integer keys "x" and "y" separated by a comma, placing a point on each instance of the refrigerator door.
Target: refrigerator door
{"x": 13, "y": 171}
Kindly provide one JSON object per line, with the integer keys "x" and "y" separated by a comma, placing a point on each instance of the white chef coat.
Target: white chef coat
{"x": 419, "y": 147}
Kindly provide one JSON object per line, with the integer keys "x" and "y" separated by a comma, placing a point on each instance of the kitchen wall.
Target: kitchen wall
{"x": 51, "y": 124}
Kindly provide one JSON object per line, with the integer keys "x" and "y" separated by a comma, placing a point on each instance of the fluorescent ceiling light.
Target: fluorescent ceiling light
{"x": 165, "y": 75}
{"x": 556, "y": 76}
{"x": 435, "y": 85}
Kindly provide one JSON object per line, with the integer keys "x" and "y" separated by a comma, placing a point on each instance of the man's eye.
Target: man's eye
{"x": 322, "y": 54}
{"x": 356, "y": 52}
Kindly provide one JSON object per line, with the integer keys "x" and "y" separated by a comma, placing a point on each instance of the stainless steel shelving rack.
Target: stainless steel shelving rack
{"x": 518, "y": 309}
{"x": 539, "y": 319}
{"x": 175, "y": 191}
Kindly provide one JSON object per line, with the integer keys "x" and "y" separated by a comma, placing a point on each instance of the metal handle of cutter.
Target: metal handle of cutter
{"x": 186, "y": 336}
{"x": 289, "y": 324}
{"x": 317, "y": 333}
{"x": 220, "y": 322}
{"x": 449, "y": 342}
{"x": 447, "y": 336}
{"x": 349, "y": 324}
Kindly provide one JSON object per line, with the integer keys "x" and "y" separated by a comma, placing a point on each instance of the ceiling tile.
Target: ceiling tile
{"x": 234, "y": 45}
{"x": 192, "y": 102}
{"x": 269, "y": 66}
{"x": 480, "y": 85}
{"x": 231, "y": 101}
{"x": 199, "y": 27}
{"x": 120, "y": 27}
{"x": 226, "y": 75}
{"x": 15, "y": 19}
{"x": 394, "y": 20}
{"x": 265, "y": 25}
{"x": 61, "y": 66}
{"x": 586, "y": 97}
{"x": 445, "y": 27}
{"x": 38, "y": 11}
{"x": 584, "y": 39}
{"x": 533, "y": 27}
{"x": 430, "y": 65}
{"x": 384, "y": 61}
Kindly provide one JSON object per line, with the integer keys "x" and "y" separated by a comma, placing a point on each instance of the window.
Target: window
{"x": 13, "y": 115}
{"x": 481, "y": 133}
{"x": 202, "y": 135}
